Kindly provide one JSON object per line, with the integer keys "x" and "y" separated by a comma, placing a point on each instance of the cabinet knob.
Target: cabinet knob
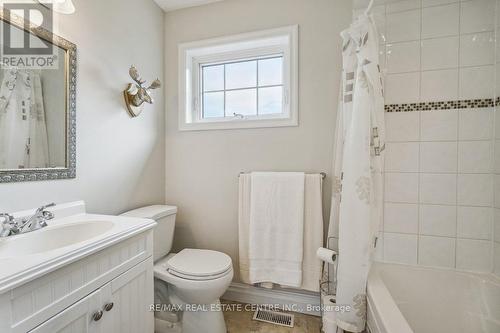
{"x": 108, "y": 306}
{"x": 97, "y": 315}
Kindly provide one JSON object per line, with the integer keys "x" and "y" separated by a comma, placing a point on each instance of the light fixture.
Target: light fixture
{"x": 60, "y": 6}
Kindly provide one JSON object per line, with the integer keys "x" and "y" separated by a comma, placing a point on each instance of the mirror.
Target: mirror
{"x": 37, "y": 101}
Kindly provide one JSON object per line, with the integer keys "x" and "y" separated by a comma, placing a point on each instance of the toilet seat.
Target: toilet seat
{"x": 195, "y": 264}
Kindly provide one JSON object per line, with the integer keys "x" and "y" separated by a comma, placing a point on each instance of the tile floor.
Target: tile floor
{"x": 241, "y": 322}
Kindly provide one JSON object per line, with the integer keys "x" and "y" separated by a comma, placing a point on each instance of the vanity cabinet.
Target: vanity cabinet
{"x": 109, "y": 291}
{"x": 118, "y": 307}
{"x": 76, "y": 318}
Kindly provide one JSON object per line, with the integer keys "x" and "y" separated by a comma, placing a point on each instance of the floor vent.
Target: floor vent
{"x": 273, "y": 317}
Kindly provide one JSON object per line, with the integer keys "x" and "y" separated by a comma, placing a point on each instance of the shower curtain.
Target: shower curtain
{"x": 358, "y": 164}
{"x": 23, "y": 128}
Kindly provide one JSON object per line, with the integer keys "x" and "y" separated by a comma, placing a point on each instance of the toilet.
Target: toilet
{"x": 192, "y": 280}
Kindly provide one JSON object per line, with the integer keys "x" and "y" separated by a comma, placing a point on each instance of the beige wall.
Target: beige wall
{"x": 120, "y": 160}
{"x": 203, "y": 167}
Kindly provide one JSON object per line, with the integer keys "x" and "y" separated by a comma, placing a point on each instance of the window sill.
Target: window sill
{"x": 238, "y": 124}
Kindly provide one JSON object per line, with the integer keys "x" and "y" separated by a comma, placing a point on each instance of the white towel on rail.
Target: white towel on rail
{"x": 276, "y": 231}
{"x": 313, "y": 231}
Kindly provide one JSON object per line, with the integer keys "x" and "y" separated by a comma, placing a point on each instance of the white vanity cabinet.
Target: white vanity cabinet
{"x": 76, "y": 318}
{"x": 109, "y": 291}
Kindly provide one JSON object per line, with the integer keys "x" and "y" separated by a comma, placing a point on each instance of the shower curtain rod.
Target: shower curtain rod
{"x": 323, "y": 174}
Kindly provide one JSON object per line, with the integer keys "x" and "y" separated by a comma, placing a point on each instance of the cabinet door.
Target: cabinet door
{"x": 78, "y": 318}
{"x": 131, "y": 295}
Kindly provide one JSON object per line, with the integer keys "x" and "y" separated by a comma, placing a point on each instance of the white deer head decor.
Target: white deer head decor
{"x": 137, "y": 94}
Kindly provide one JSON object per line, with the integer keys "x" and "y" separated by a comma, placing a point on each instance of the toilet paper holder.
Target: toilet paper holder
{"x": 328, "y": 282}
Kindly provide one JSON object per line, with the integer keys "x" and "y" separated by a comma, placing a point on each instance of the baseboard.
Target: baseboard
{"x": 296, "y": 301}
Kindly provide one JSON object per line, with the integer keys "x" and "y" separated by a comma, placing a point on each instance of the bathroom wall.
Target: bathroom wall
{"x": 496, "y": 169}
{"x": 203, "y": 167}
{"x": 438, "y": 181}
{"x": 121, "y": 161}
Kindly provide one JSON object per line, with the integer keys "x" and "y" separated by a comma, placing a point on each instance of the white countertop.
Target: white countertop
{"x": 17, "y": 269}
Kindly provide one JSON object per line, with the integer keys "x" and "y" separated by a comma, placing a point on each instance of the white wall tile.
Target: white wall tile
{"x": 402, "y": 126}
{"x": 428, "y": 3}
{"x": 436, "y": 251}
{"x": 474, "y": 255}
{"x": 403, "y": 26}
{"x": 475, "y": 190}
{"x": 439, "y": 85}
{"x": 401, "y": 218}
{"x": 379, "y": 248}
{"x": 436, "y": 220}
{"x": 439, "y": 189}
{"x": 440, "y": 53}
{"x": 438, "y": 157}
{"x": 382, "y": 61}
{"x": 474, "y": 222}
{"x": 475, "y": 124}
{"x": 400, "y": 248}
{"x": 402, "y": 88}
{"x": 400, "y": 6}
{"x": 496, "y": 187}
{"x": 401, "y": 187}
{"x": 477, "y": 82}
{"x": 378, "y": 13}
{"x": 496, "y": 157}
{"x": 402, "y": 157}
{"x": 496, "y": 228}
{"x": 478, "y": 15}
{"x": 439, "y": 125}
{"x": 497, "y": 259}
{"x": 477, "y": 49}
{"x": 403, "y": 57}
{"x": 440, "y": 21}
{"x": 474, "y": 157}
{"x": 444, "y": 51}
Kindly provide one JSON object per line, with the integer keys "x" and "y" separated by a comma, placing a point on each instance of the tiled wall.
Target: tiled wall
{"x": 436, "y": 50}
{"x": 438, "y": 176}
{"x": 438, "y": 189}
{"x": 496, "y": 170}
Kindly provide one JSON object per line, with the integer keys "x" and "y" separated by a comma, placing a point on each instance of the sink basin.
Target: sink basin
{"x": 52, "y": 238}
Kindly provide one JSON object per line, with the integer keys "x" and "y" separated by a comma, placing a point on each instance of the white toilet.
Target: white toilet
{"x": 194, "y": 279}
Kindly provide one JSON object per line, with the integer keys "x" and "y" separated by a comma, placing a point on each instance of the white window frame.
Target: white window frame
{"x": 281, "y": 41}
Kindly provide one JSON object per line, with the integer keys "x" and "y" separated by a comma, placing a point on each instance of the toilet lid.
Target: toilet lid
{"x": 199, "y": 263}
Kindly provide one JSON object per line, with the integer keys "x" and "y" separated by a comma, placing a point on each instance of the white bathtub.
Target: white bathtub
{"x": 408, "y": 299}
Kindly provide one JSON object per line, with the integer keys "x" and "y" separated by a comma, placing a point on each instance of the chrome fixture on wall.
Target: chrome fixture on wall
{"x": 136, "y": 94}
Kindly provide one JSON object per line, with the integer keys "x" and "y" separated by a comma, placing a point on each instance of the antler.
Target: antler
{"x": 155, "y": 84}
{"x": 134, "y": 74}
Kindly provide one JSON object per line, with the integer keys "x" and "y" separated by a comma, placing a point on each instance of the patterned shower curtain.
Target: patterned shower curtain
{"x": 357, "y": 189}
{"x": 23, "y": 128}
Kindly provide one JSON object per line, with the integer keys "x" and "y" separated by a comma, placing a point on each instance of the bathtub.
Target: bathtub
{"x": 409, "y": 299}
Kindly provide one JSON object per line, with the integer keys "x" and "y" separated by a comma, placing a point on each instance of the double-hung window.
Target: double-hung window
{"x": 243, "y": 81}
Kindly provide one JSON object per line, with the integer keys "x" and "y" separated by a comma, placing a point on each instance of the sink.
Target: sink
{"x": 52, "y": 238}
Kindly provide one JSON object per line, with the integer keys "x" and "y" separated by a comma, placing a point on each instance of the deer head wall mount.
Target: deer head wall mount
{"x": 136, "y": 94}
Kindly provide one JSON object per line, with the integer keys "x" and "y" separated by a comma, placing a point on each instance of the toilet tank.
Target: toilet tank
{"x": 163, "y": 234}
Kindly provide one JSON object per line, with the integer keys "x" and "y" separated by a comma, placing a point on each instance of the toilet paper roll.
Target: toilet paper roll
{"x": 326, "y": 255}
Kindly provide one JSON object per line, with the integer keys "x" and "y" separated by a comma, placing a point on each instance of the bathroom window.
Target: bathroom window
{"x": 243, "y": 81}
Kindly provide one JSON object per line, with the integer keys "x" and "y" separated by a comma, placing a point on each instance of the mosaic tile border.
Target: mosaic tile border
{"x": 443, "y": 105}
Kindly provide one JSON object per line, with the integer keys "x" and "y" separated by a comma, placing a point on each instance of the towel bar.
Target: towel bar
{"x": 323, "y": 174}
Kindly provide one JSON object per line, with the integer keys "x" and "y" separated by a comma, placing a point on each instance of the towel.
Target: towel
{"x": 276, "y": 231}
{"x": 313, "y": 231}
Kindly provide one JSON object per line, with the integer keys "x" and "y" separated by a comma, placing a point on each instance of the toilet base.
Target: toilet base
{"x": 207, "y": 319}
